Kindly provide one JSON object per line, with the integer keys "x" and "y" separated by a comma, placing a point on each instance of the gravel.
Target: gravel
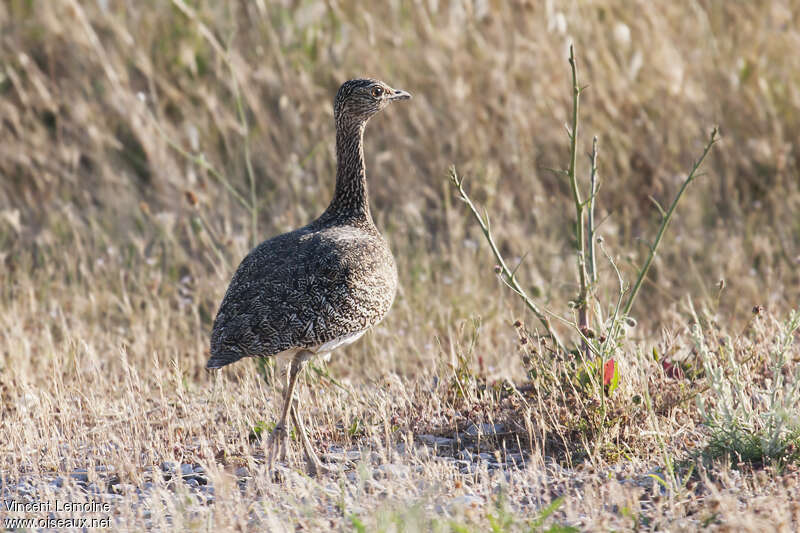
{"x": 103, "y": 484}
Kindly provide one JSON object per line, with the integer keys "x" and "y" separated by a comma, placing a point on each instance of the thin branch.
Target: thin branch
{"x": 201, "y": 161}
{"x": 665, "y": 222}
{"x": 519, "y": 264}
{"x": 658, "y": 206}
{"x": 506, "y": 273}
{"x": 591, "y": 226}
{"x": 580, "y": 239}
{"x": 556, "y": 171}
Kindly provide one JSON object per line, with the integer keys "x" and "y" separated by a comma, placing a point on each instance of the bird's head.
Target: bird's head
{"x": 359, "y": 99}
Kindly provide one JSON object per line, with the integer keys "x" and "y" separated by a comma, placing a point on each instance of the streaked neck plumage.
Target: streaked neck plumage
{"x": 350, "y": 201}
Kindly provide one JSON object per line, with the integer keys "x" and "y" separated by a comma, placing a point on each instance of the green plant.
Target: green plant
{"x": 752, "y": 418}
{"x": 259, "y": 430}
{"x": 594, "y": 370}
{"x": 584, "y": 224}
{"x": 537, "y": 524}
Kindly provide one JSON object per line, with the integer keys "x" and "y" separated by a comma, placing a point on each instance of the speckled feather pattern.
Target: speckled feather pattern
{"x": 329, "y": 279}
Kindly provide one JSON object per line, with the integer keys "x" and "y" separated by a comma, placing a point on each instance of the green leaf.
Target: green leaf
{"x": 545, "y": 513}
{"x": 260, "y": 428}
{"x": 614, "y": 380}
{"x": 357, "y": 524}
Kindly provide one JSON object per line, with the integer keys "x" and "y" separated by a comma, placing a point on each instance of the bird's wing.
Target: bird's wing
{"x": 296, "y": 293}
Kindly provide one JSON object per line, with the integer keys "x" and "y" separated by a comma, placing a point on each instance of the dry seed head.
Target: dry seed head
{"x": 191, "y": 197}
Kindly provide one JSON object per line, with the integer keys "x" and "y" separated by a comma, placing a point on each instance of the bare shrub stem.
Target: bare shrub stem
{"x": 590, "y": 202}
{"x": 580, "y": 239}
{"x": 665, "y": 218}
{"x": 508, "y": 276}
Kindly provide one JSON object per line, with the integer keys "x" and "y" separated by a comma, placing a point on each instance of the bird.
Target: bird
{"x": 308, "y": 292}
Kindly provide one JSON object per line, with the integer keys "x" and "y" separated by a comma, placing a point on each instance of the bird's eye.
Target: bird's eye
{"x": 377, "y": 92}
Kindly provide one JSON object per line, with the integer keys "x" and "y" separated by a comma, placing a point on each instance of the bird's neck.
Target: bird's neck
{"x": 350, "y": 201}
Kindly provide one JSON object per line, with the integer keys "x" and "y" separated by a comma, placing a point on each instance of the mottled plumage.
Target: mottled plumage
{"x": 304, "y": 289}
{"x": 319, "y": 287}
{"x": 330, "y": 279}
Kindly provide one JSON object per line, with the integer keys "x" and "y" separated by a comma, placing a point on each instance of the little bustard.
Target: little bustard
{"x": 320, "y": 287}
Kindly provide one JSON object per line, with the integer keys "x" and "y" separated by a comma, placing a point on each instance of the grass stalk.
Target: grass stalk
{"x": 224, "y": 53}
{"x": 247, "y": 158}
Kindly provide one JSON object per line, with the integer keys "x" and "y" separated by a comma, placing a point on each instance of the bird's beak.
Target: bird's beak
{"x": 399, "y": 95}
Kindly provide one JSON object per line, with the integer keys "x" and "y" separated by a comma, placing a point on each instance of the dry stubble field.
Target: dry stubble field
{"x": 126, "y": 202}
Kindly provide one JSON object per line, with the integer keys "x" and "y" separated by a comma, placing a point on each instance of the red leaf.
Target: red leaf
{"x": 672, "y": 370}
{"x": 608, "y": 371}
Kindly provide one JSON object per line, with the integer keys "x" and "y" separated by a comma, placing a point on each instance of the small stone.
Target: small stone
{"x": 80, "y": 475}
{"x": 192, "y": 482}
{"x": 113, "y": 499}
{"x": 57, "y": 482}
{"x": 242, "y": 472}
{"x": 391, "y": 470}
{"x": 187, "y": 470}
{"x": 122, "y": 488}
{"x": 168, "y": 466}
{"x": 484, "y": 429}
{"x": 440, "y": 442}
{"x": 342, "y": 456}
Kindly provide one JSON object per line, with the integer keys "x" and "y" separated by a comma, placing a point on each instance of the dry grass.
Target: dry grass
{"x": 115, "y": 250}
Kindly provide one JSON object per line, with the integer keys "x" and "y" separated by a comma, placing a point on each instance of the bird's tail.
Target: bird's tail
{"x": 222, "y": 357}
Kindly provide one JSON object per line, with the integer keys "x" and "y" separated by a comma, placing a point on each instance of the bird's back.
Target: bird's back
{"x": 303, "y": 289}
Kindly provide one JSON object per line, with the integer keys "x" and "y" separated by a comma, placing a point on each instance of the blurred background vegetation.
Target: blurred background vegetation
{"x": 95, "y": 96}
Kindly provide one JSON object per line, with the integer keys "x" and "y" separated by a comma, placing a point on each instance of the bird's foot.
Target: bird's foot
{"x": 277, "y": 445}
{"x": 316, "y": 468}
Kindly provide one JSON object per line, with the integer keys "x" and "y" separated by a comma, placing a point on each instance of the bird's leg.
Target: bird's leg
{"x": 280, "y": 429}
{"x": 315, "y": 466}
